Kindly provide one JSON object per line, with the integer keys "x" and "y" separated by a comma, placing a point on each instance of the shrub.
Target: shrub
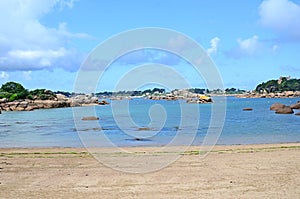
{"x": 13, "y": 97}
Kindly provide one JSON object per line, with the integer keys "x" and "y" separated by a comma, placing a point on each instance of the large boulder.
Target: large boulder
{"x": 23, "y": 104}
{"x": 296, "y": 106}
{"x": 271, "y": 95}
{"x": 3, "y": 100}
{"x": 103, "y": 102}
{"x": 13, "y": 105}
{"x": 61, "y": 97}
{"x": 285, "y": 110}
{"x": 289, "y": 93}
{"x": 31, "y": 107}
{"x": 276, "y": 106}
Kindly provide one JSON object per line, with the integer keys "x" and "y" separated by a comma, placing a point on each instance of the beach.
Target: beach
{"x": 238, "y": 171}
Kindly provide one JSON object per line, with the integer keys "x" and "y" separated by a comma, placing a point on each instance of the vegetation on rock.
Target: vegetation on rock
{"x": 14, "y": 91}
{"x": 280, "y": 85}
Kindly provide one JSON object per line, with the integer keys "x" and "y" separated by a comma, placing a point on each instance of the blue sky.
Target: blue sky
{"x": 43, "y": 43}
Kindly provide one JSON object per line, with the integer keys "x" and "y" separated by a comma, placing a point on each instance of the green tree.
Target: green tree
{"x": 13, "y": 91}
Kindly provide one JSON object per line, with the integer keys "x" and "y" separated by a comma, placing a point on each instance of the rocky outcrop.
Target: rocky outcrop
{"x": 82, "y": 100}
{"x": 190, "y": 98}
{"x": 60, "y": 101}
{"x": 281, "y": 109}
{"x": 198, "y": 101}
{"x": 286, "y": 94}
{"x": 247, "y": 109}
{"x": 29, "y": 105}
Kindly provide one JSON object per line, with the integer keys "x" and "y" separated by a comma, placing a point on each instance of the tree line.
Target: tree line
{"x": 280, "y": 85}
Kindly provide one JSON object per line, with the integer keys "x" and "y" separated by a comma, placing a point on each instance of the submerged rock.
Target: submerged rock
{"x": 90, "y": 118}
{"x": 247, "y": 109}
{"x": 144, "y": 129}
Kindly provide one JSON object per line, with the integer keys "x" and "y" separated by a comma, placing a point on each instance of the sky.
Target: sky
{"x": 43, "y": 44}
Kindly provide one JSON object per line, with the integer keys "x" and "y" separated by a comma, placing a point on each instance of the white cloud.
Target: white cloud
{"x": 246, "y": 48}
{"x": 213, "y": 46}
{"x": 281, "y": 16}
{"x": 4, "y": 75}
{"x": 37, "y": 54}
{"x": 249, "y": 46}
{"x": 26, "y": 44}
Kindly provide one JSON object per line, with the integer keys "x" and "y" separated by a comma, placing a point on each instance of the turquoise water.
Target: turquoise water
{"x": 57, "y": 127}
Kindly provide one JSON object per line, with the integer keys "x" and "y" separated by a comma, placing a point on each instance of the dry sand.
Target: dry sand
{"x": 248, "y": 171}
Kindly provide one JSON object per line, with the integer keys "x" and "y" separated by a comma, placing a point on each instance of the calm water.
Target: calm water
{"x": 57, "y": 128}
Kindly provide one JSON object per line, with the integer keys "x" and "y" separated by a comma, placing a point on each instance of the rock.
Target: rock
{"x": 297, "y": 113}
{"x": 296, "y": 106}
{"x": 144, "y": 129}
{"x": 297, "y": 94}
{"x": 61, "y": 97}
{"x": 285, "y": 110}
{"x": 19, "y": 108}
{"x": 247, "y": 109}
{"x": 90, "y": 118}
{"x": 289, "y": 93}
{"x": 30, "y": 108}
{"x": 80, "y": 100}
{"x": 12, "y": 105}
{"x": 271, "y": 95}
{"x": 93, "y": 100}
{"x": 51, "y": 104}
{"x": 74, "y": 103}
{"x": 23, "y": 104}
{"x": 0, "y": 111}
{"x": 276, "y": 106}
{"x": 103, "y": 102}
{"x": 3, "y": 100}
{"x": 39, "y": 103}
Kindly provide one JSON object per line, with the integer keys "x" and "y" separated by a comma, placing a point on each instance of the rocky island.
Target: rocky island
{"x": 14, "y": 97}
{"x": 284, "y": 87}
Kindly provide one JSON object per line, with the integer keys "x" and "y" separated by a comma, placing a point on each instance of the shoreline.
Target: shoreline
{"x": 216, "y": 148}
{"x": 149, "y": 146}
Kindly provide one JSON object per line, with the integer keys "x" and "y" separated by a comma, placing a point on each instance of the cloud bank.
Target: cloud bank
{"x": 282, "y": 17}
{"x": 26, "y": 44}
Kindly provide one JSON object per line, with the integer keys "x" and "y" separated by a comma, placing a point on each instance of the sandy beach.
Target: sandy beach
{"x": 241, "y": 171}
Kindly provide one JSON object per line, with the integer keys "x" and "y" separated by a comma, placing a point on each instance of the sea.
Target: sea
{"x": 143, "y": 122}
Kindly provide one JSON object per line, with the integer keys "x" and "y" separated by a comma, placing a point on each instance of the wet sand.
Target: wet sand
{"x": 242, "y": 171}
